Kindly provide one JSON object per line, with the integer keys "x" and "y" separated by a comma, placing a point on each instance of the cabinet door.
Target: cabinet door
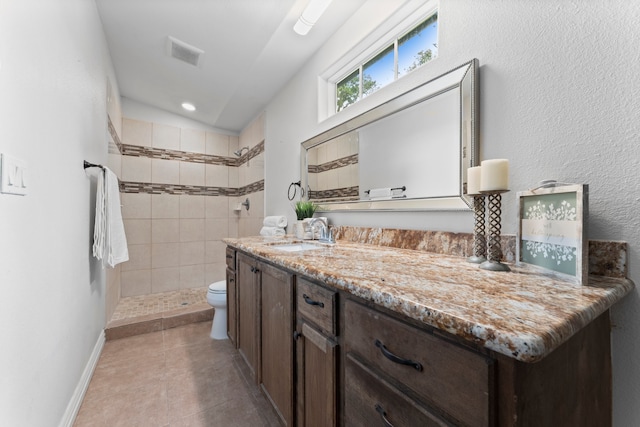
{"x": 317, "y": 380}
{"x": 277, "y": 340}
{"x": 232, "y": 314}
{"x": 248, "y": 283}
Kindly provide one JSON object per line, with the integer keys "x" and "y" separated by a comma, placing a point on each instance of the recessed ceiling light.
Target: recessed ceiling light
{"x": 189, "y": 107}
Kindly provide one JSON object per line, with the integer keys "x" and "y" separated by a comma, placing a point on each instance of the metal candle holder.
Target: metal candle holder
{"x": 479, "y": 239}
{"x": 494, "y": 250}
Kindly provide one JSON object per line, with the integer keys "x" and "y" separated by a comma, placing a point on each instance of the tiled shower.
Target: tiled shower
{"x": 181, "y": 190}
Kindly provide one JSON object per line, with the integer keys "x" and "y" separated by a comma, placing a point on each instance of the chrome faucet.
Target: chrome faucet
{"x": 326, "y": 234}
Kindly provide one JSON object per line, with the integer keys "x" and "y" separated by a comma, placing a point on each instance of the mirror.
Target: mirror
{"x": 410, "y": 153}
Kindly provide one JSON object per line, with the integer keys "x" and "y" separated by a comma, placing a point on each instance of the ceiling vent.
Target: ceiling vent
{"x": 183, "y": 51}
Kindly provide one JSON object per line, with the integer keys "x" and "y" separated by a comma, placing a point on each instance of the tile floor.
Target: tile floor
{"x": 143, "y": 305}
{"x": 170, "y": 378}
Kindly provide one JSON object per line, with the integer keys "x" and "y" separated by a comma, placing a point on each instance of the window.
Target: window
{"x": 406, "y": 53}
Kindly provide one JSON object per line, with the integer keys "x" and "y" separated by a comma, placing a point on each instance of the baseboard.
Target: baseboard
{"x": 78, "y": 395}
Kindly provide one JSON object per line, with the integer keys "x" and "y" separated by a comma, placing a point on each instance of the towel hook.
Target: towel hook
{"x": 246, "y": 204}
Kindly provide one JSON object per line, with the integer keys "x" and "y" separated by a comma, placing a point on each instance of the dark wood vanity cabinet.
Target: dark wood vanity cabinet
{"x": 248, "y": 309}
{"x": 232, "y": 324}
{"x": 437, "y": 381}
{"x": 317, "y": 355}
{"x": 325, "y": 357}
{"x": 276, "y": 331}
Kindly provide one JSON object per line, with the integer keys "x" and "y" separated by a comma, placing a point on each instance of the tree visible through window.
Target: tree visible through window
{"x": 405, "y": 54}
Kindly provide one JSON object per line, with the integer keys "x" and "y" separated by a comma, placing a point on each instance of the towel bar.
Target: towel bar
{"x": 92, "y": 165}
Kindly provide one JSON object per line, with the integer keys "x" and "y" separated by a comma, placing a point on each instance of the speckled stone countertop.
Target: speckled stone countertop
{"x": 522, "y": 314}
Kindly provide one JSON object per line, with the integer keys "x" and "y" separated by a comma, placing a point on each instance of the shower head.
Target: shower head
{"x": 239, "y": 152}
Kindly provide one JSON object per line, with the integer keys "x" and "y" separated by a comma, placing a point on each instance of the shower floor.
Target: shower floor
{"x": 155, "y": 312}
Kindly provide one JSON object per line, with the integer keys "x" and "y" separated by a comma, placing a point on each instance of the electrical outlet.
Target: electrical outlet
{"x": 13, "y": 175}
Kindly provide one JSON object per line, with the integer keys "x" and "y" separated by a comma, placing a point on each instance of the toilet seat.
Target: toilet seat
{"x": 218, "y": 287}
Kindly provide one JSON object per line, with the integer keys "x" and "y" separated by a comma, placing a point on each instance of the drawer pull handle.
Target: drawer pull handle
{"x": 255, "y": 270}
{"x": 312, "y": 302}
{"x": 396, "y": 359}
{"x": 383, "y": 415}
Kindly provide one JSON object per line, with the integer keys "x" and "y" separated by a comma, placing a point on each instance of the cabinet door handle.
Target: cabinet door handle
{"x": 231, "y": 280}
{"x": 397, "y": 359}
{"x": 383, "y": 415}
{"x": 229, "y": 256}
{"x": 312, "y": 302}
{"x": 254, "y": 270}
{"x": 296, "y": 335}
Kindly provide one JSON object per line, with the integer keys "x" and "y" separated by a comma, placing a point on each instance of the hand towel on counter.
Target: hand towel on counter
{"x": 272, "y": 231}
{"x": 275, "y": 221}
{"x": 109, "y": 239}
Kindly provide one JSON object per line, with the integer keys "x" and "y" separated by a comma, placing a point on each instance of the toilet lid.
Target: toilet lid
{"x": 218, "y": 287}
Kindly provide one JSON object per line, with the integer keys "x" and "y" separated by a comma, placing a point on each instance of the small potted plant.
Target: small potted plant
{"x": 304, "y": 212}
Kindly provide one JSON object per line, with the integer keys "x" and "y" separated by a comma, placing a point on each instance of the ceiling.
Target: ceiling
{"x": 250, "y": 52}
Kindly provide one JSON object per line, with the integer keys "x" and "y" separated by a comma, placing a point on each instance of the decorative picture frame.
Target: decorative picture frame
{"x": 552, "y": 231}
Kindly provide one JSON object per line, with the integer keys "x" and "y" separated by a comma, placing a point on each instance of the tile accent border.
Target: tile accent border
{"x": 606, "y": 258}
{"x": 335, "y": 194}
{"x": 334, "y": 164}
{"x": 191, "y": 190}
{"x": 114, "y": 134}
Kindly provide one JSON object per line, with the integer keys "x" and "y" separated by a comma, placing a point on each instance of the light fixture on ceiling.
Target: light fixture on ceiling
{"x": 310, "y": 16}
{"x": 188, "y": 106}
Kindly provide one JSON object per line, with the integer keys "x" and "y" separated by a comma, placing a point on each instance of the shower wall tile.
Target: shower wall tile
{"x": 215, "y": 272}
{"x": 138, "y": 231}
{"x": 114, "y": 162}
{"x": 165, "y": 206}
{"x": 216, "y": 229}
{"x": 217, "y": 175}
{"x": 139, "y": 258}
{"x": 165, "y": 230}
{"x": 191, "y": 230}
{"x": 192, "y": 140}
{"x": 175, "y": 239}
{"x": 165, "y": 255}
{"x": 191, "y": 206}
{"x": 136, "y": 132}
{"x": 191, "y": 173}
{"x": 214, "y": 251}
{"x": 135, "y": 205}
{"x": 136, "y": 169}
{"x": 165, "y": 136}
{"x": 165, "y": 279}
{"x": 192, "y": 276}
{"x": 234, "y": 145}
{"x": 165, "y": 171}
{"x": 137, "y": 282}
{"x": 217, "y": 207}
{"x": 217, "y": 144}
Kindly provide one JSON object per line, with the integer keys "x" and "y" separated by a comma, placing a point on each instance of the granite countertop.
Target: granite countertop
{"x": 522, "y": 314}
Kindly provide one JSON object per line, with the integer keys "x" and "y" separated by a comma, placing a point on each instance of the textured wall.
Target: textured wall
{"x": 53, "y": 110}
{"x": 559, "y": 99}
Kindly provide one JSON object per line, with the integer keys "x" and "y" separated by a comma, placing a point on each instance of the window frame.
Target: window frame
{"x": 370, "y": 51}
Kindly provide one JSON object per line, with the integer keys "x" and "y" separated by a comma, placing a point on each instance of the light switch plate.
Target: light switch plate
{"x": 13, "y": 175}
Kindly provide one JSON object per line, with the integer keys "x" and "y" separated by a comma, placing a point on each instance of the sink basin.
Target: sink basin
{"x": 296, "y": 247}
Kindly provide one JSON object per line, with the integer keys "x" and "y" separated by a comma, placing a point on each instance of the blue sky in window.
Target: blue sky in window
{"x": 382, "y": 69}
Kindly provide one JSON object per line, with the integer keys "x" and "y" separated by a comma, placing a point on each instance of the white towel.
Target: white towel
{"x": 272, "y": 231}
{"x": 275, "y": 221}
{"x": 109, "y": 239}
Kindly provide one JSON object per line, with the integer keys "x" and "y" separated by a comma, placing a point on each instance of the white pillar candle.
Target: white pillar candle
{"x": 473, "y": 180}
{"x": 494, "y": 175}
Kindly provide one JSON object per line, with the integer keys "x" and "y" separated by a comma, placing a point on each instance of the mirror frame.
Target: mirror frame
{"x": 469, "y": 146}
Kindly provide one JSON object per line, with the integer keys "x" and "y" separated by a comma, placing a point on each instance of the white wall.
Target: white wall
{"x": 52, "y": 115}
{"x": 560, "y": 98}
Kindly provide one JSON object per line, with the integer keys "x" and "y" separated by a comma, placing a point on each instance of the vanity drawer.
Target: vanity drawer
{"x": 231, "y": 258}
{"x": 442, "y": 374}
{"x": 317, "y": 304}
{"x": 371, "y": 401}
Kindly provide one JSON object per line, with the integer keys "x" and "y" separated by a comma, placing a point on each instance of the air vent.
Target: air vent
{"x": 183, "y": 52}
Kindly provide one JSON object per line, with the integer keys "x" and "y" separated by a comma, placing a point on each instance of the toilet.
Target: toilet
{"x": 217, "y": 298}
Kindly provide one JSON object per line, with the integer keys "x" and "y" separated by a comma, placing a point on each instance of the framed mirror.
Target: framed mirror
{"x": 410, "y": 153}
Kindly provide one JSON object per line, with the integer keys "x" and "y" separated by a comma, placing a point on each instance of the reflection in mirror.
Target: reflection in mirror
{"x": 409, "y": 153}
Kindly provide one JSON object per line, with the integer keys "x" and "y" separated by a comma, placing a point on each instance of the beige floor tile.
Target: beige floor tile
{"x": 122, "y": 376}
{"x": 195, "y": 333}
{"x": 132, "y": 347}
{"x": 141, "y": 406}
